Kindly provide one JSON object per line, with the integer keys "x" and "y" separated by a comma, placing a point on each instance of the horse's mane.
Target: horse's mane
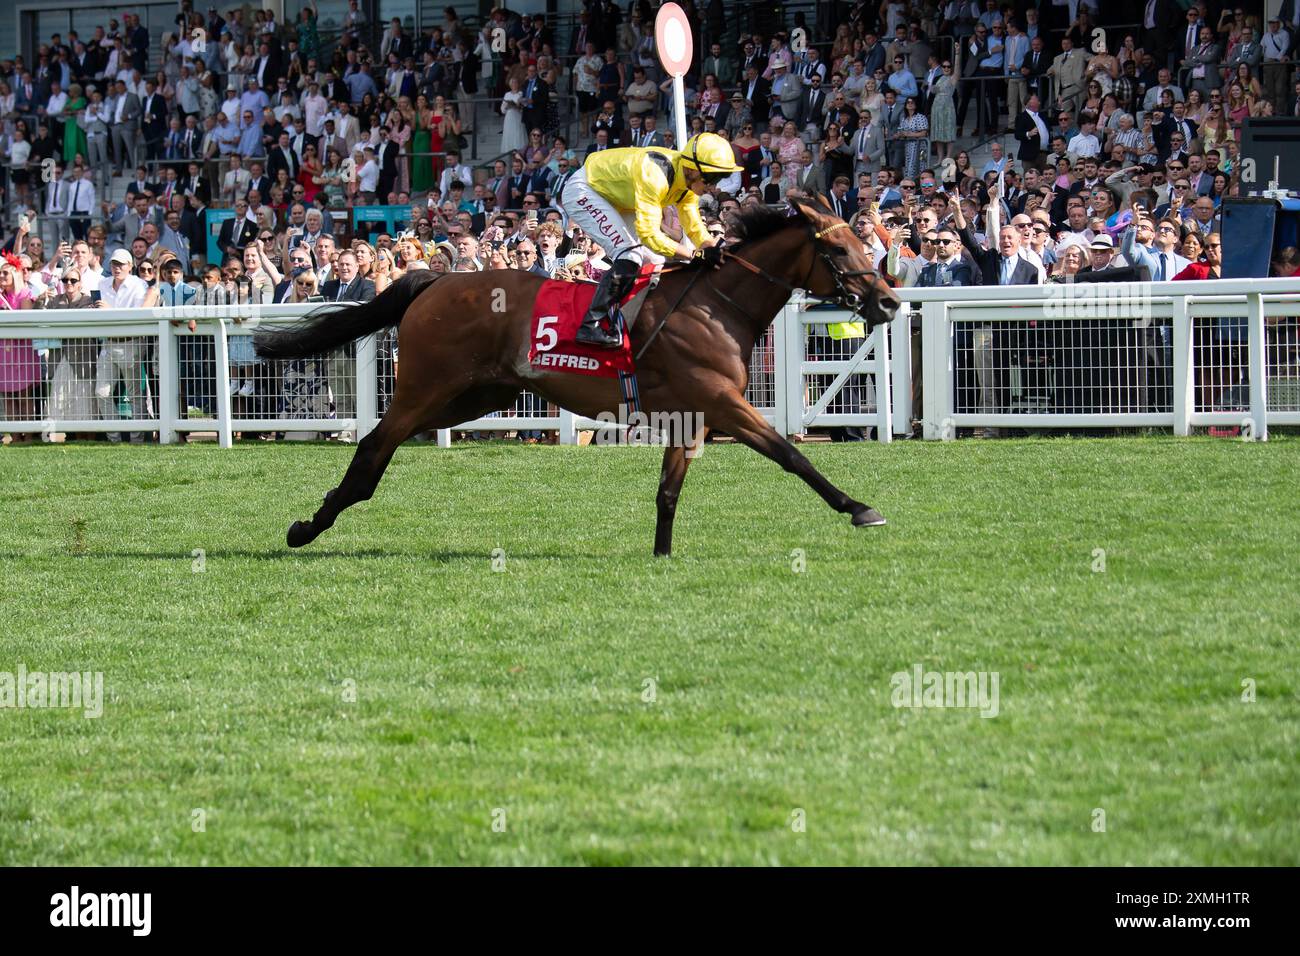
{"x": 758, "y": 221}
{"x": 754, "y": 222}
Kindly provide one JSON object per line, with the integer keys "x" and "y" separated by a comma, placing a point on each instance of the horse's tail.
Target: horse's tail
{"x": 331, "y": 327}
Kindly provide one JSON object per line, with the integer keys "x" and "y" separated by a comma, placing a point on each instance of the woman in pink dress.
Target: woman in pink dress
{"x": 789, "y": 150}
{"x": 20, "y": 366}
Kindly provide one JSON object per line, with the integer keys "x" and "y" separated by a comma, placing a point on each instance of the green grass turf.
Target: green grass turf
{"x": 523, "y": 689}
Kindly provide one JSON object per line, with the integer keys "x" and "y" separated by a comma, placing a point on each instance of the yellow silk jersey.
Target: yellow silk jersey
{"x": 633, "y": 180}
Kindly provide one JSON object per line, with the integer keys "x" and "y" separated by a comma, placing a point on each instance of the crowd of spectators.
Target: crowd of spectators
{"x": 1111, "y": 150}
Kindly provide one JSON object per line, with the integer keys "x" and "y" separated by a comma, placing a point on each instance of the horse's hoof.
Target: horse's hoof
{"x": 868, "y": 518}
{"x": 300, "y": 533}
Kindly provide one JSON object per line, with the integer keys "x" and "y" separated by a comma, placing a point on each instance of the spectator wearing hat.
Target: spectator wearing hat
{"x": 1102, "y": 252}
{"x": 1275, "y": 46}
{"x": 787, "y": 92}
{"x": 120, "y": 359}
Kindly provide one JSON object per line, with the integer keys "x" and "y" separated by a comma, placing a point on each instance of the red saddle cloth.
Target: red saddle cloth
{"x": 557, "y": 313}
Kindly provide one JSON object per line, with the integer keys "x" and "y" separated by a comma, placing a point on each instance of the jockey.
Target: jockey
{"x": 618, "y": 198}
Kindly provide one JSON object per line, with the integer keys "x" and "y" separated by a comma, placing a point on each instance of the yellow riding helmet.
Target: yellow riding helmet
{"x": 710, "y": 154}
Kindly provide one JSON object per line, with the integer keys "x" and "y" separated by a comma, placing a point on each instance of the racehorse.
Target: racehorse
{"x": 461, "y": 359}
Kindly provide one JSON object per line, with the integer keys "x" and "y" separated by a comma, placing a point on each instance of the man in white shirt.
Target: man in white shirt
{"x": 1076, "y": 223}
{"x": 455, "y": 170}
{"x": 313, "y": 110}
{"x": 122, "y": 358}
{"x": 367, "y": 174}
{"x": 1275, "y": 43}
{"x": 1085, "y": 143}
{"x": 54, "y": 106}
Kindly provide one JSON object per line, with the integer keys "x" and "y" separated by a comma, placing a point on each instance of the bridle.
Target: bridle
{"x": 844, "y": 297}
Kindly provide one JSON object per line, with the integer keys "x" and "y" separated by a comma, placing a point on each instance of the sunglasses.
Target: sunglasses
{"x": 70, "y": 280}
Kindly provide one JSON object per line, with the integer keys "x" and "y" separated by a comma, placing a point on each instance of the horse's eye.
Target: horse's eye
{"x": 839, "y": 251}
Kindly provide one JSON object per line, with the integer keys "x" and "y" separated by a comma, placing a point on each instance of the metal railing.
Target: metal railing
{"x": 1174, "y": 355}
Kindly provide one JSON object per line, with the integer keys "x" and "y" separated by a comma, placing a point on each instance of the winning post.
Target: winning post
{"x": 673, "y": 43}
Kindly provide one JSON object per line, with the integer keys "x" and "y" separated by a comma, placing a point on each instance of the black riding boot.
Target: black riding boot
{"x": 614, "y": 284}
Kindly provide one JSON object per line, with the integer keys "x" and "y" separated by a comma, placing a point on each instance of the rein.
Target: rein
{"x": 850, "y": 300}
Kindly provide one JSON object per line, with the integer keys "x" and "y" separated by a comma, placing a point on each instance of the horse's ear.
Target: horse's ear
{"x": 823, "y": 200}
{"x": 800, "y": 206}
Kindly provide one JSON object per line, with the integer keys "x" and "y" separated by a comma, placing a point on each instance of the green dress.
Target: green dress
{"x": 74, "y": 137}
{"x": 421, "y": 166}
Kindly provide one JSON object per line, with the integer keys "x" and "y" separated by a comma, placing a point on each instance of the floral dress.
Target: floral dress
{"x": 917, "y": 151}
{"x": 788, "y": 153}
{"x": 943, "y": 110}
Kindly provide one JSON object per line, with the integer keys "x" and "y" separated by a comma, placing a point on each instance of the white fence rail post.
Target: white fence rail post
{"x": 225, "y": 435}
{"x": 568, "y": 428}
{"x": 367, "y": 385}
{"x": 1184, "y": 366}
{"x": 936, "y": 371}
{"x": 900, "y": 373}
{"x": 794, "y": 358}
{"x": 884, "y": 399}
{"x": 780, "y": 372}
{"x": 168, "y": 384}
{"x": 1258, "y": 366}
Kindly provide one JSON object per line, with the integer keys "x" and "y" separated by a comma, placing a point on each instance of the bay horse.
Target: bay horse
{"x": 461, "y": 359}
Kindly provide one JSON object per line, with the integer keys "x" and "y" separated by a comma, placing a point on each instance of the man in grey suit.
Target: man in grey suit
{"x": 787, "y": 91}
{"x": 651, "y": 135}
{"x": 868, "y": 147}
{"x": 54, "y": 223}
{"x": 811, "y": 177}
{"x": 1200, "y": 71}
{"x": 1249, "y": 51}
{"x": 125, "y": 128}
{"x": 1068, "y": 70}
{"x": 891, "y": 115}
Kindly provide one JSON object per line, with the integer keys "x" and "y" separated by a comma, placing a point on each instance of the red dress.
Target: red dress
{"x": 309, "y": 188}
{"x": 435, "y": 146}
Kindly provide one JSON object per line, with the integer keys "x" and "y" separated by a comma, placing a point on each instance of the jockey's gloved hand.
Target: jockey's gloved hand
{"x": 710, "y": 255}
